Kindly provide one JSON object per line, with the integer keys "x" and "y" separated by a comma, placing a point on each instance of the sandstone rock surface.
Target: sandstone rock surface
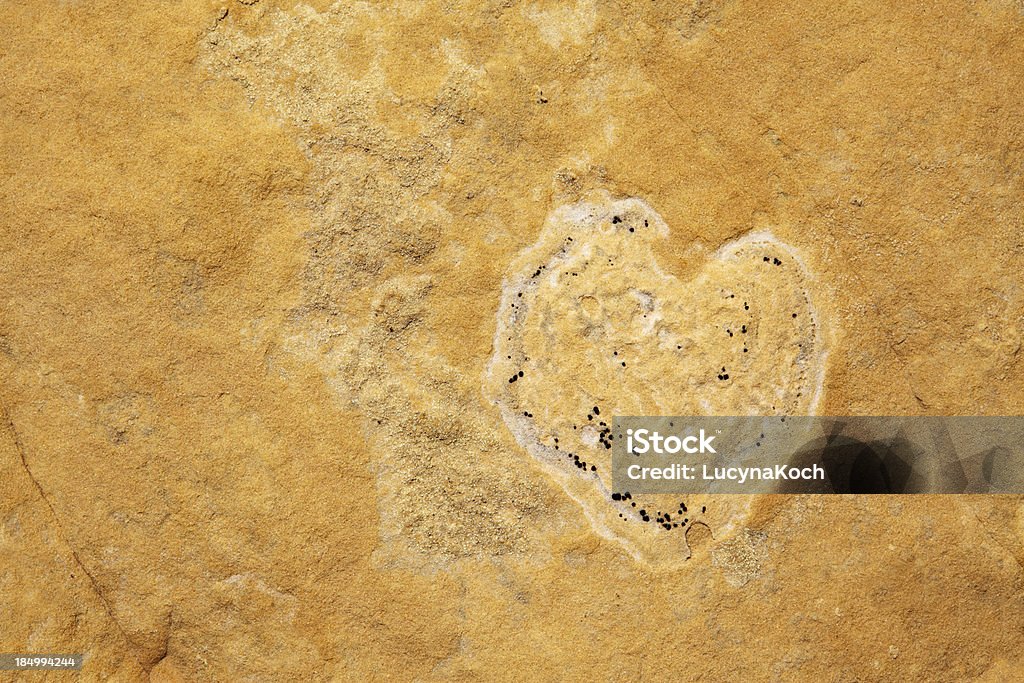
{"x": 255, "y": 255}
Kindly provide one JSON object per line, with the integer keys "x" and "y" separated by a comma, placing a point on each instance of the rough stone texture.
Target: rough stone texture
{"x": 254, "y": 259}
{"x": 588, "y": 323}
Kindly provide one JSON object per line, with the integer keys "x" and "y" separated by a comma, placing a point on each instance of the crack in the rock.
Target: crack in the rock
{"x": 16, "y": 436}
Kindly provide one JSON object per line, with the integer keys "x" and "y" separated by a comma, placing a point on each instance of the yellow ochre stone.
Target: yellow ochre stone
{"x": 258, "y": 267}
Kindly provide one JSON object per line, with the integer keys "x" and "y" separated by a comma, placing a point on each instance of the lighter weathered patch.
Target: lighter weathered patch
{"x": 590, "y": 327}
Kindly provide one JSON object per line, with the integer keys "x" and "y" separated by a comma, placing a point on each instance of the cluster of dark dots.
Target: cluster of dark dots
{"x": 723, "y": 374}
{"x": 579, "y": 464}
{"x": 576, "y": 461}
{"x": 582, "y": 464}
{"x": 515, "y": 377}
{"x": 773, "y": 260}
{"x": 527, "y": 413}
{"x": 617, "y": 219}
{"x": 662, "y": 519}
{"x": 605, "y": 436}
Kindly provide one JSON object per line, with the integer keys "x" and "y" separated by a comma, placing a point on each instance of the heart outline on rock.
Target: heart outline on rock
{"x": 587, "y": 317}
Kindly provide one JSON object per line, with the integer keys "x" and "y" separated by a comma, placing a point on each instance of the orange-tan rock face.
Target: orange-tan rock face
{"x": 259, "y": 290}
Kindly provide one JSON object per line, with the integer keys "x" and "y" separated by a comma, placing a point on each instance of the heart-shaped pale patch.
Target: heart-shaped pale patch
{"x": 590, "y": 327}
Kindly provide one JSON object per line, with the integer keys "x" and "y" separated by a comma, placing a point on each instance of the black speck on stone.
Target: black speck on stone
{"x": 597, "y": 411}
{"x": 616, "y": 219}
{"x": 616, "y": 496}
{"x": 520, "y": 373}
